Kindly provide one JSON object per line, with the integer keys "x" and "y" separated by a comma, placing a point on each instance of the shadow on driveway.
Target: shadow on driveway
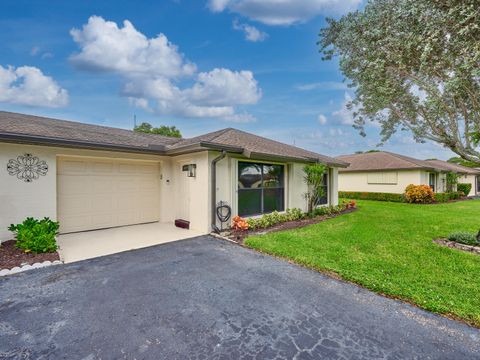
{"x": 208, "y": 299}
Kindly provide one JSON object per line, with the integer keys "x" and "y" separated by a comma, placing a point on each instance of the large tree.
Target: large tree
{"x": 170, "y": 131}
{"x": 414, "y": 65}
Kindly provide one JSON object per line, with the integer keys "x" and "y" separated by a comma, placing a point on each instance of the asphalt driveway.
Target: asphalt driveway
{"x": 207, "y": 299}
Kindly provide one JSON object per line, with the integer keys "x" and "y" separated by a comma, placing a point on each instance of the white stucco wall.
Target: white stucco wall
{"x": 358, "y": 181}
{"x": 19, "y": 199}
{"x": 469, "y": 179}
{"x": 190, "y": 194}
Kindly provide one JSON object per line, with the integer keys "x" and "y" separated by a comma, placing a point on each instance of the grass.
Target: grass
{"x": 387, "y": 247}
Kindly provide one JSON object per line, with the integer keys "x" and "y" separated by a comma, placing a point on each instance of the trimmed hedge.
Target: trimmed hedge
{"x": 465, "y": 188}
{"x": 371, "y": 196}
{"x": 444, "y": 197}
{"x": 439, "y": 197}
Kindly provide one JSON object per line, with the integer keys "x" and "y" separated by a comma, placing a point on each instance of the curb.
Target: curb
{"x": 18, "y": 269}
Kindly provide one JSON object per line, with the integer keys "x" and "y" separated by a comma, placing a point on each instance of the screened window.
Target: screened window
{"x": 324, "y": 199}
{"x": 261, "y": 188}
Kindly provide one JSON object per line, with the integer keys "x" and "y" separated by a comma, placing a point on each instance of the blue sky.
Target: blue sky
{"x": 199, "y": 65}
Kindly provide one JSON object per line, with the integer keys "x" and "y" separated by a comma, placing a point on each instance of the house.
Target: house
{"x": 388, "y": 172}
{"x": 466, "y": 174}
{"x": 93, "y": 177}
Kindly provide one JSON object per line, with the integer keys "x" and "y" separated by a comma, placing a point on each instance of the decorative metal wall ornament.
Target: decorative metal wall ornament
{"x": 27, "y": 167}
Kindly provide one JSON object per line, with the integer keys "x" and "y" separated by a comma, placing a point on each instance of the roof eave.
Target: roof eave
{"x": 58, "y": 142}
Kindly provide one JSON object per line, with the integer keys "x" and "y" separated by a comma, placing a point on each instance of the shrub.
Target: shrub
{"x": 442, "y": 197}
{"x": 371, "y": 196}
{"x": 420, "y": 194}
{"x": 275, "y": 218}
{"x": 464, "y": 238}
{"x": 464, "y": 188}
{"x": 239, "y": 223}
{"x": 447, "y": 196}
{"x": 36, "y": 236}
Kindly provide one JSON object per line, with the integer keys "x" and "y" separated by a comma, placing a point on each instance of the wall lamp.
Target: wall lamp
{"x": 191, "y": 169}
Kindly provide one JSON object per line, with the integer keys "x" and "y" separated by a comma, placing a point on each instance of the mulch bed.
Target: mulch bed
{"x": 11, "y": 256}
{"x": 240, "y": 236}
{"x": 455, "y": 245}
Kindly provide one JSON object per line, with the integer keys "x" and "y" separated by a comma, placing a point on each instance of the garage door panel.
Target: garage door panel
{"x": 102, "y": 168}
{"x": 94, "y": 194}
{"x": 72, "y": 167}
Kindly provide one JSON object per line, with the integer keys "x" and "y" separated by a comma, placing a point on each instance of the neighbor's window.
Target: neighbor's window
{"x": 385, "y": 178}
{"x": 261, "y": 188}
{"x": 324, "y": 199}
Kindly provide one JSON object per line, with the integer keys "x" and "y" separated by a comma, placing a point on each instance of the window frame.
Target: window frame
{"x": 262, "y": 188}
{"x": 326, "y": 188}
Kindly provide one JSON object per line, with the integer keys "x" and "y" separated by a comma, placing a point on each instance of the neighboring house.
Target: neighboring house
{"x": 92, "y": 177}
{"x": 391, "y": 173}
{"x": 467, "y": 175}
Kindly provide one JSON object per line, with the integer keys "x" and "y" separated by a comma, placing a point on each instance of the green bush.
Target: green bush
{"x": 371, "y": 196}
{"x": 464, "y": 188}
{"x": 447, "y": 196}
{"x": 36, "y": 236}
{"x": 275, "y": 218}
{"x": 464, "y": 238}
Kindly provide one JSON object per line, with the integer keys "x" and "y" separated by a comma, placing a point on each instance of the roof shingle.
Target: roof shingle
{"x": 41, "y": 129}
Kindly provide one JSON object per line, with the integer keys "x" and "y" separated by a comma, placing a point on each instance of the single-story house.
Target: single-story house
{"x": 387, "y": 172}
{"x": 466, "y": 174}
{"x": 92, "y": 177}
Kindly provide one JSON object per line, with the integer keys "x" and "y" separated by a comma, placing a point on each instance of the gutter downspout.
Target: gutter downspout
{"x": 214, "y": 188}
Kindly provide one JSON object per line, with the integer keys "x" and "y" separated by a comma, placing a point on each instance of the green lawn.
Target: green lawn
{"x": 387, "y": 247}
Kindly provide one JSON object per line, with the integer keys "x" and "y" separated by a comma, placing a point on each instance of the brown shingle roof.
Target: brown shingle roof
{"x": 383, "y": 160}
{"x": 454, "y": 167}
{"x": 30, "y": 125}
{"x": 257, "y": 146}
{"x": 41, "y": 130}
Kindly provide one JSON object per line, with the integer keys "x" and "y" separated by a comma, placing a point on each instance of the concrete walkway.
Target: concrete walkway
{"x": 91, "y": 244}
{"x": 207, "y": 299}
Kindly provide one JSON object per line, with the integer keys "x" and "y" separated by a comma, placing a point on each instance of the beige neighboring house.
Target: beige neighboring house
{"x": 467, "y": 175}
{"x": 391, "y": 173}
{"x": 93, "y": 177}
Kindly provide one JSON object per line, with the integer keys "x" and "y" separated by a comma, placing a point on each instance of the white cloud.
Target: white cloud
{"x": 322, "y": 85}
{"x": 224, "y": 87}
{"x": 322, "y": 119}
{"x": 283, "y": 12}
{"x": 27, "y": 85}
{"x": 251, "y": 32}
{"x": 344, "y": 115}
{"x": 106, "y": 47}
{"x": 152, "y": 69}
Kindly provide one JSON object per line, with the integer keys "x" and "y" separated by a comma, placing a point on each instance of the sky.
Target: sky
{"x": 199, "y": 65}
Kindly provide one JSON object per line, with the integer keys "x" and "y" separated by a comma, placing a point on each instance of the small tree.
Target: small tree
{"x": 452, "y": 181}
{"x": 314, "y": 180}
{"x": 170, "y": 131}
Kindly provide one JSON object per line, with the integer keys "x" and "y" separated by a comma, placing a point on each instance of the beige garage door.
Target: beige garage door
{"x": 101, "y": 193}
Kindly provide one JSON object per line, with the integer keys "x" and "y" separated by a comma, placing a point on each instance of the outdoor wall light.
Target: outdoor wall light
{"x": 191, "y": 170}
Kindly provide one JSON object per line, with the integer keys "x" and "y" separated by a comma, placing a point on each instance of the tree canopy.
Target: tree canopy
{"x": 463, "y": 162}
{"x": 170, "y": 131}
{"x": 413, "y": 65}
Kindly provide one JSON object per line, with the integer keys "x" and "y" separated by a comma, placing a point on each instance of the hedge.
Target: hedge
{"x": 444, "y": 197}
{"x": 439, "y": 197}
{"x": 465, "y": 188}
{"x": 371, "y": 196}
